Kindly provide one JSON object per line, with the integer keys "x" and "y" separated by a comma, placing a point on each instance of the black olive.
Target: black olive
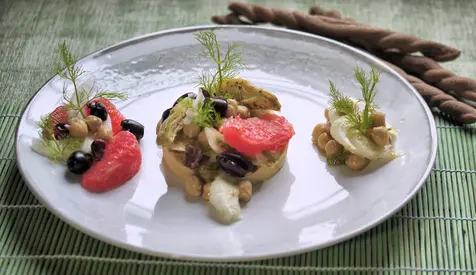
{"x": 60, "y": 131}
{"x": 134, "y": 127}
{"x": 193, "y": 156}
{"x": 79, "y": 162}
{"x": 187, "y": 95}
{"x": 166, "y": 114}
{"x": 97, "y": 147}
{"x": 98, "y": 109}
{"x": 205, "y": 93}
{"x": 219, "y": 104}
{"x": 235, "y": 164}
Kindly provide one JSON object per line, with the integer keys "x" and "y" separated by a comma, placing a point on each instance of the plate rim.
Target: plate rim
{"x": 265, "y": 256}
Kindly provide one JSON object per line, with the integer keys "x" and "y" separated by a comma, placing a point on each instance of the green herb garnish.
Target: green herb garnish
{"x": 207, "y": 116}
{"x": 344, "y": 104}
{"x": 227, "y": 63}
{"x": 367, "y": 84}
{"x": 59, "y": 150}
{"x": 338, "y": 158}
{"x": 46, "y": 127}
{"x": 360, "y": 120}
{"x": 67, "y": 69}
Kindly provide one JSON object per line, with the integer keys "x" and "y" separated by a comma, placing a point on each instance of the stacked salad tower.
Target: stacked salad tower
{"x": 225, "y": 137}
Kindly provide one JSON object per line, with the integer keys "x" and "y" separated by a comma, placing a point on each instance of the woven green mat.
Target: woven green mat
{"x": 434, "y": 233}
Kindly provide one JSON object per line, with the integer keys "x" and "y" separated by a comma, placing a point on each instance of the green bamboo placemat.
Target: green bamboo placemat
{"x": 434, "y": 233}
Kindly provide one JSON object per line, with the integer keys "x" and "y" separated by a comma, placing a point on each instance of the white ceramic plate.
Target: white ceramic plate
{"x": 306, "y": 206}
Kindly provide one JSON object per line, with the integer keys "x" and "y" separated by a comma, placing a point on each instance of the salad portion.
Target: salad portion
{"x": 356, "y": 132}
{"x": 225, "y": 137}
{"x": 88, "y": 134}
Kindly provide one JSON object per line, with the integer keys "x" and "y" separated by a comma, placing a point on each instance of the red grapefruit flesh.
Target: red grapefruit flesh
{"x": 121, "y": 161}
{"x": 256, "y": 135}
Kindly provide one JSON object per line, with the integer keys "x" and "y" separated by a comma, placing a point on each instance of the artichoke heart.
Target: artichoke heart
{"x": 172, "y": 125}
{"x": 249, "y": 95}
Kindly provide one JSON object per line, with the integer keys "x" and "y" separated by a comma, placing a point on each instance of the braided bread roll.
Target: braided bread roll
{"x": 435, "y": 97}
{"x": 381, "y": 39}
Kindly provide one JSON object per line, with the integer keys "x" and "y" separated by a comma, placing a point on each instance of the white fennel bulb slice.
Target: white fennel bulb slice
{"x": 86, "y": 147}
{"x": 224, "y": 200}
{"x": 356, "y": 142}
{"x": 215, "y": 139}
{"x": 58, "y": 150}
{"x": 40, "y": 147}
{"x": 85, "y": 91}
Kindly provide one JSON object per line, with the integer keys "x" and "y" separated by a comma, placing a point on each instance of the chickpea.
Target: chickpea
{"x": 328, "y": 127}
{"x": 356, "y": 162}
{"x": 191, "y": 130}
{"x": 93, "y": 122}
{"x": 231, "y": 111}
{"x": 243, "y": 111}
{"x": 193, "y": 187}
{"x": 78, "y": 128}
{"x": 378, "y": 119}
{"x": 323, "y": 140}
{"x": 206, "y": 191}
{"x": 207, "y": 173}
{"x": 232, "y": 102}
{"x": 332, "y": 147}
{"x": 246, "y": 190}
{"x": 380, "y": 135}
{"x": 318, "y": 130}
{"x": 104, "y": 133}
{"x": 326, "y": 114}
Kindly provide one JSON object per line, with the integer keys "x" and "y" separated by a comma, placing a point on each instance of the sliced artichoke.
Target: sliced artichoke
{"x": 172, "y": 125}
{"x": 249, "y": 95}
{"x": 180, "y": 143}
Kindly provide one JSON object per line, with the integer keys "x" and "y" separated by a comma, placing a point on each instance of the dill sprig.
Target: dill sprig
{"x": 66, "y": 68}
{"x": 344, "y": 104}
{"x": 228, "y": 63}
{"x": 361, "y": 120}
{"x": 59, "y": 150}
{"x": 367, "y": 84}
{"x": 207, "y": 116}
{"x": 69, "y": 70}
{"x": 46, "y": 127}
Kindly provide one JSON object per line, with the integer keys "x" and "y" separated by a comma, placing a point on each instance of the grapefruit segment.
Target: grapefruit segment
{"x": 256, "y": 135}
{"x": 121, "y": 161}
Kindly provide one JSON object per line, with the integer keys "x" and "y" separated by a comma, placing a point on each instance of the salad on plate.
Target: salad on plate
{"x": 225, "y": 137}
{"x": 356, "y": 131}
{"x": 87, "y": 133}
